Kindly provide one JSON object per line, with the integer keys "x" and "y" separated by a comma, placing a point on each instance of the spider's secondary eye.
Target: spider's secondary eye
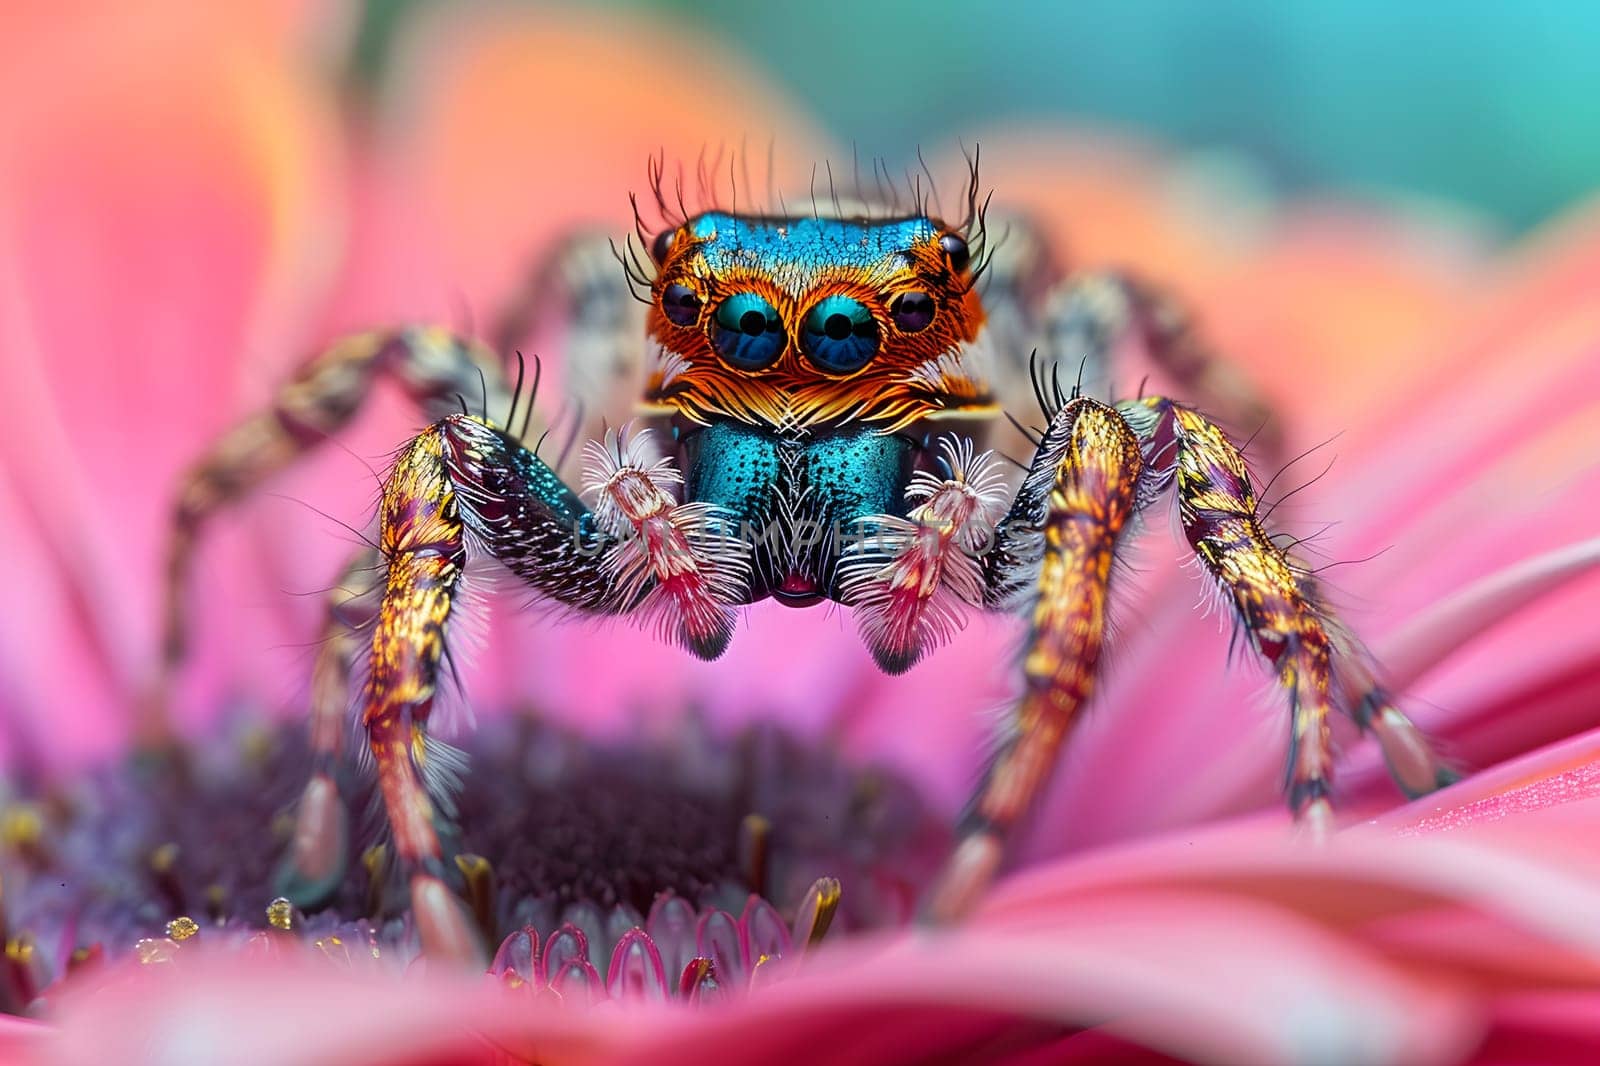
{"x": 840, "y": 335}
{"x": 662, "y": 244}
{"x": 748, "y": 332}
{"x": 912, "y": 311}
{"x": 680, "y": 304}
{"x": 956, "y": 249}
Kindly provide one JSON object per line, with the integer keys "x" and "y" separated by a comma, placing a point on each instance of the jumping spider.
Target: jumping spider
{"x": 816, "y": 391}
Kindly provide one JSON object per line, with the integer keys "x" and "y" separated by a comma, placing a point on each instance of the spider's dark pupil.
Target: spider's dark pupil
{"x": 753, "y": 323}
{"x": 838, "y": 327}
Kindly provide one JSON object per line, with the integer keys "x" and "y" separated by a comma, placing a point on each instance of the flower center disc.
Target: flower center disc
{"x": 691, "y": 849}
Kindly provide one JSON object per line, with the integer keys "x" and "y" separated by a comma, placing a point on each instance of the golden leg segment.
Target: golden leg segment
{"x": 1095, "y": 492}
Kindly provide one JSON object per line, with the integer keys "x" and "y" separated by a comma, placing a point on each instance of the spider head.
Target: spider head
{"x": 796, "y": 322}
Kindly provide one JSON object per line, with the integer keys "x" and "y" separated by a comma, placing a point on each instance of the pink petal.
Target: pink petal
{"x": 1158, "y": 971}
{"x": 163, "y": 203}
{"x": 1552, "y": 1028}
{"x": 1163, "y": 972}
{"x": 1537, "y": 876}
{"x": 1567, "y": 772}
{"x": 20, "y": 1038}
{"x": 1231, "y": 944}
{"x": 1458, "y": 619}
{"x": 286, "y": 1012}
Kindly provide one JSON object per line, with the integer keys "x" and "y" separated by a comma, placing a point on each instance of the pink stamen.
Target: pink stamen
{"x": 446, "y": 929}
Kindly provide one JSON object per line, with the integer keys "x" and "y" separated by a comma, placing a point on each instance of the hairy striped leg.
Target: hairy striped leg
{"x": 1055, "y": 550}
{"x": 1167, "y": 330}
{"x": 1022, "y": 270}
{"x": 1075, "y": 324}
{"x": 440, "y": 371}
{"x": 315, "y": 864}
{"x": 579, "y": 283}
{"x": 463, "y": 487}
{"x": 1319, "y": 665}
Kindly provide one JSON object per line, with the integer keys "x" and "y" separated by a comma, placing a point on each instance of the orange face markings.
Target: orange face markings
{"x": 793, "y": 323}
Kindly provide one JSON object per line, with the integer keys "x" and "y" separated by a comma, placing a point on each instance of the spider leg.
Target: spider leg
{"x": 442, "y": 373}
{"x": 1319, "y": 664}
{"x": 580, "y": 287}
{"x": 1076, "y": 323}
{"x": 315, "y": 864}
{"x": 1022, "y": 269}
{"x": 1054, "y": 552}
{"x": 464, "y": 488}
{"x": 1166, "y": 328}
{"x": 439, "y": 370}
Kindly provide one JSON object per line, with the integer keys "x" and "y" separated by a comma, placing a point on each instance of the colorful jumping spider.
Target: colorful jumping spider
{"x": 817, "y": 390}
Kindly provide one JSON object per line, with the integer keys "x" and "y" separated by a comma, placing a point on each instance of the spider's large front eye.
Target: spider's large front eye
{"x": 840, "y": 335}
{"x": 748, "y": 332}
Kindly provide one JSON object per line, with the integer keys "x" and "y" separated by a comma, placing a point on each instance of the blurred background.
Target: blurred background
{"x": 1477, "y": 103}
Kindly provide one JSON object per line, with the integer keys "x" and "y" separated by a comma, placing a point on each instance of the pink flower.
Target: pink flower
{"x": 185, "y": 214}
{"x": 1228, "y": 944}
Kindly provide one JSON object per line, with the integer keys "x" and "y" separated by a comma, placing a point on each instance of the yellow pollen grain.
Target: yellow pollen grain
{"x": 164, "y": 858}
{"x": 216, "y": 900}
{"x": 182, "y": 927}
{"x": 280, "y": 914}
{"x": 373, "y": 861}
{"x": 21, "y": 826}
{"x": 333, "y": 948}
{"x": 282, "y": 827}
{"x": 256, "y": 746}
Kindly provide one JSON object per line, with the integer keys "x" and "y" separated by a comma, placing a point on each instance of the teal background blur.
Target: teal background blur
{"x": 1493, "y": 104}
